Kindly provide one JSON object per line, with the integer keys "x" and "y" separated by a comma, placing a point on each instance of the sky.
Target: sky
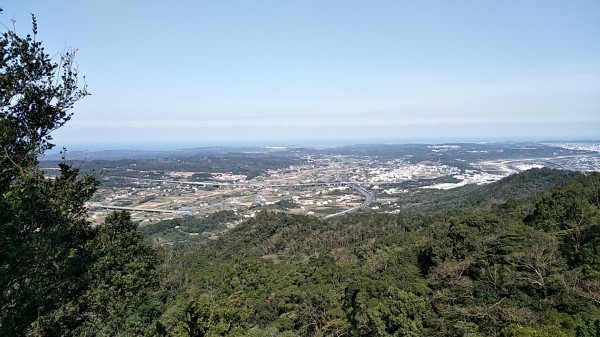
{"x": 187, "y": 73}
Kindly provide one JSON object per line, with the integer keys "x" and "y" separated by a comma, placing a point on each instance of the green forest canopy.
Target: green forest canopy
{"x": 528, "y": 265}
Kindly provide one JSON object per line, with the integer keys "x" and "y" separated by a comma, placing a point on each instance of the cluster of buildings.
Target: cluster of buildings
{"x": 398, "y": 172}
{"x": 466, "y": 178}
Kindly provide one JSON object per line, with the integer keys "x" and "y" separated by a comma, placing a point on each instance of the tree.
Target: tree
{"x": 36, "y": 95}
{"x": 45, "y": 257}
{"x": 398, "y": 313}
{"x": 49, "y": 251}
{"x": 544, "y": 331}
{"x": 538, "y": 261}
{"x": 43, "y": 232}
{"x": 119, "y": 300}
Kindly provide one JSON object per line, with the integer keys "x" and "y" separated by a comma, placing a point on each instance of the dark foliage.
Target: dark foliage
{"x": 525, "y": 267}
{"x": 58, "y": 275}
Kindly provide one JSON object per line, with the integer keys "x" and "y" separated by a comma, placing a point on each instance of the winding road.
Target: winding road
{"x": 369, "y": 197}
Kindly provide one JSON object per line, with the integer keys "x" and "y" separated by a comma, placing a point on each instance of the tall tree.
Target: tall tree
{"x": 119, "y": 300}
{"x": 36, "y": 95}
{"x": 49, "y": 251}
{"x": 43, "y": 232}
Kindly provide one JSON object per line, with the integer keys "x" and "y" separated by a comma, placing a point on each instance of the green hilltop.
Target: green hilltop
{"x": 528, "y": 266}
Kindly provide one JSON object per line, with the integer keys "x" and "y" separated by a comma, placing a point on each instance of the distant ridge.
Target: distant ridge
{"x": 417, "y": 150}
{"x": 157, "y": 154}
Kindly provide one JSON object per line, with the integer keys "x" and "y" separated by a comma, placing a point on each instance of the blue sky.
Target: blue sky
{"x": 289, "y": 72}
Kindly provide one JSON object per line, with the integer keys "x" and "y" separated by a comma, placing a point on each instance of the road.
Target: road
{"x": 369, "y": 197}
{"x": 236, "y": 185}
{"x": 133, "y": 209}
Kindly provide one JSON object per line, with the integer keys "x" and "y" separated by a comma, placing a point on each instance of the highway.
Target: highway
{"x": 369, "y": 198}
{"x": 133, "y": 209}
{"x": 240, "y": 185}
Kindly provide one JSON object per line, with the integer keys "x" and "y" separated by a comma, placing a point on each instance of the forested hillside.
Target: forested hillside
{"x": 514, "y": 186}
{"x": 520, "y": 257}
{"x": 524, "y": 267}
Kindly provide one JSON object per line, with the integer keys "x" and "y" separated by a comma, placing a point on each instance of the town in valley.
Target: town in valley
{"x": 232, "y": 184}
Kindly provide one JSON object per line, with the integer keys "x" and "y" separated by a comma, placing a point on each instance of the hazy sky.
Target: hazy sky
{"x": 210, "y": 72}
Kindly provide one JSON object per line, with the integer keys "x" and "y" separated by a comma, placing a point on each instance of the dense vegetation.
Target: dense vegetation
{"x": 512, "y": 187}
{"x": 518, "y": 258}
{"x": 59, "y": 276}
{"x": 187, "y": 231}
{"x": 524, "y": 267}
